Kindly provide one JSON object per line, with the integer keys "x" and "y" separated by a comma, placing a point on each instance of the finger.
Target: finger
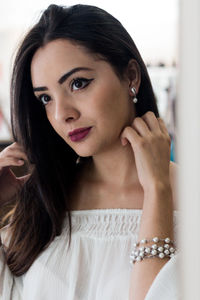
{"x": 163, "y": 126}
{"x": 130, "y": 135}
{"x": 13, "y": 157}
{"x": 14, "y": 153}
{"x": 151, "y": 121}
{"x": 22, "y": 180}
{"x": 7, "y": 170}
{"x": 15, "y": 146}
{"x": 21, "y": 155}
{"x": 141, "y": 126}
{"x": 11, "y": 162}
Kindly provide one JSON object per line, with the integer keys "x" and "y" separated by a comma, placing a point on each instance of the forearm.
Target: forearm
{"x": 156, "y": 220}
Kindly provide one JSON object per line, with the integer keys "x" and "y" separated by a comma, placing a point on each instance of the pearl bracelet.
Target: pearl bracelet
{"x": 155, "y": 239}
{"x": 152, "y": 251}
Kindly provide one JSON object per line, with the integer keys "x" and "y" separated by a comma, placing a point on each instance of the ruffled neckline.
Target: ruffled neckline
{"x": 107, "y": 221}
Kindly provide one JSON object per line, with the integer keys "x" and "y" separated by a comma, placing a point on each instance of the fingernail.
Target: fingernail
{"x": 20, "y": 161}
{"x": 124, "y": 142}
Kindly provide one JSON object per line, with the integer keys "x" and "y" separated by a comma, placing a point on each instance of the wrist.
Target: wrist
{"x": 158, "y": 187}
{"x": 157, "y": 216}
{"x": 158, "y": 191}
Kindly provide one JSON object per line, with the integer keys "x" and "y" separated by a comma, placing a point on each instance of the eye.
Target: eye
{"x": 80, "y": 83}
{"x": 43, "y": 99}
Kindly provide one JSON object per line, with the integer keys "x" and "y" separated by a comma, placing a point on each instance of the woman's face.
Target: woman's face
{"x": 90, "y": 97}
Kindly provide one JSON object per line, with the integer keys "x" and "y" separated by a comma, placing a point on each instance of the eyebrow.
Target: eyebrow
{"x": 63, "y": 78}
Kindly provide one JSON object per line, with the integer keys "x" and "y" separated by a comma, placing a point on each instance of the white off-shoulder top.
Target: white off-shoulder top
{"x": 97, "y": 265}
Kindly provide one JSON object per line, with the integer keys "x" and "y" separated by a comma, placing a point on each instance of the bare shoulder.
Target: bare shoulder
{"x": 174, "y": 182}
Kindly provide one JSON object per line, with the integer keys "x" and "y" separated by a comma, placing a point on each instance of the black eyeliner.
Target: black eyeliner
{"x": 83, "y": 79}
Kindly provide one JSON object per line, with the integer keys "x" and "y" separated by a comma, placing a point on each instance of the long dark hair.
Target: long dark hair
{"x": 44, "y": 201}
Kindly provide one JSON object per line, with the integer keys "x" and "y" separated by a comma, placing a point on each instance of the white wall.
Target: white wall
{"x": 189, "y": 147}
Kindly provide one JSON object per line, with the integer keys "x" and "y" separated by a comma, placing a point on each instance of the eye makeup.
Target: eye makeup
{"x": 76, "y": 81}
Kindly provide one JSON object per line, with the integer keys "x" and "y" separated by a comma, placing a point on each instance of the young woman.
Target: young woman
{"x": 84, "y": 117}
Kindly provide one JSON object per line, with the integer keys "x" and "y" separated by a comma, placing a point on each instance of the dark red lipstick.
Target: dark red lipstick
{"x": 79, "y": 134}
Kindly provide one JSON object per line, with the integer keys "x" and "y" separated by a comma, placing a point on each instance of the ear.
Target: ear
{"x": 133, "y": 75}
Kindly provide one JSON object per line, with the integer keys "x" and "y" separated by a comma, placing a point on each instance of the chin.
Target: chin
{"x": 89, "y": 148}
{"x": 83, "y": 153}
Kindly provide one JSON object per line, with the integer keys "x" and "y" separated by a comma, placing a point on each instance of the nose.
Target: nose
{"x": 65, "y": 111}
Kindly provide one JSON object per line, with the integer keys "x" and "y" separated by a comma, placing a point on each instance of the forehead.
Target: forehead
{"x": 61, "y": 47}
{"x": 61, "y": 54}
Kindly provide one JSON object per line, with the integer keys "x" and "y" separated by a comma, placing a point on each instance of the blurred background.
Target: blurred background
{"x": 153, "y": 25}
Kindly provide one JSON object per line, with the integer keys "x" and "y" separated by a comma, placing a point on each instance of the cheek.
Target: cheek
{"x": 106, "y": 101}
{"x": 111, "y": 115}
{"x": 112, "y": 107}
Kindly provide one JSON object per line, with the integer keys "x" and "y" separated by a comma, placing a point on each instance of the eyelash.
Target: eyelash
{"x": 81, "y": 79}
{"x": 71, "y": 85}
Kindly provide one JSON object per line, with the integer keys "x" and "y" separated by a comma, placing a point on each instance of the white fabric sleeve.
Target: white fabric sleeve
{"x": 166, "y": 284}
{"x": 8, "y": 289}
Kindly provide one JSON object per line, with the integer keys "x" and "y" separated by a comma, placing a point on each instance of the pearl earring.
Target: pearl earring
{"x": 135, "y": 100}
{"x": 78, "y": 160}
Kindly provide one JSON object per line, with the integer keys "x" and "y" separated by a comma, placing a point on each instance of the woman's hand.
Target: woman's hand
{"x": 150, "y": 141}
{"x": 9, "y": 183}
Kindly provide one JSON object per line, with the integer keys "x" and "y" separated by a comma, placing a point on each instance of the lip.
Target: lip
{"x": 78, "y": 130}
{"x": 80, "y": 135}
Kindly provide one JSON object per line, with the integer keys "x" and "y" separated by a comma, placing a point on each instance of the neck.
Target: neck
{"x": 115, "y": 167}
